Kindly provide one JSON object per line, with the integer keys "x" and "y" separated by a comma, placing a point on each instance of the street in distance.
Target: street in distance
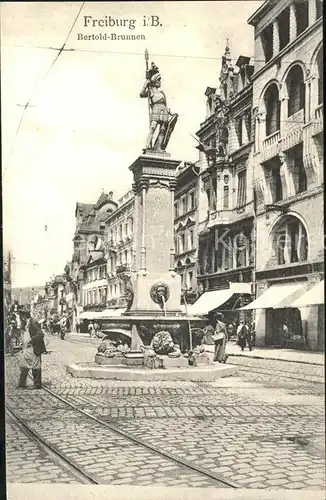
{"x": 109, "y": 36}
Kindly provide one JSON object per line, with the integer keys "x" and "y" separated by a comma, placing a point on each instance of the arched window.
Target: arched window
{"x": 272, "y": 106}
{"x": 320, "y": 76}
{"x": 296, "y": 90}
{"x": 290, "y": 241}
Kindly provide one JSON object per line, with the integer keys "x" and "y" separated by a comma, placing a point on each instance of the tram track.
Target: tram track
{"x": 67, "y": 464}
{"x": 218, "y": 479}
{"x": 278, "y": 373}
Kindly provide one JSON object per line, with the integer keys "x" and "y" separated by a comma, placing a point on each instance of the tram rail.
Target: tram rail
{"x": 220, "y": 480}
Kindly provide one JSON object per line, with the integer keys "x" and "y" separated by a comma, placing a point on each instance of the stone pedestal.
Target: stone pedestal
{"x": 157, "y": 288}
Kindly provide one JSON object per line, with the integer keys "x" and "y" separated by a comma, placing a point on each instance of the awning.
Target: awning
{"x": 209, "y": 301}
{"x": 313, "y": 297}
{"x": 107, "y": 313}
{"x": 278, "y": 296}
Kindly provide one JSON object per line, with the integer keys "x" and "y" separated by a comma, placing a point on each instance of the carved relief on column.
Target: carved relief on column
{"x": 276, "y": 39}
{"x": 293, "y": 23}
{"x": 261, "y": 117}
{"x": 172, "y": 185}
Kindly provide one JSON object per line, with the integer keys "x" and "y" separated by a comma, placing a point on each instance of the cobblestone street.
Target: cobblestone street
{"x": 261, "y": 428}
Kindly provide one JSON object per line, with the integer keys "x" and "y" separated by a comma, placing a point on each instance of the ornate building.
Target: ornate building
{"x": 87, "y": 283}
{"x": 119, "y": 250}
{"x": 288, "y": 167}
{"x": 186, "y": 228}
{"x": 226, "y": 204}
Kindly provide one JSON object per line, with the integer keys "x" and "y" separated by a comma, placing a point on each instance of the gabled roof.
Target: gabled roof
{"x": 85, "y": 208}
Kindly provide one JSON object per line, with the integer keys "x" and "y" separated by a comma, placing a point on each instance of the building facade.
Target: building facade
{"x": 186, "y": 229}
{"x": 226, "y": 203}
{"x": 119, "y": 246}
{"x": 287, "y": 88}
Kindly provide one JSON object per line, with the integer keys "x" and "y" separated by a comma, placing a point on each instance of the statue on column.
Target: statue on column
{"x": 160, "y": 117}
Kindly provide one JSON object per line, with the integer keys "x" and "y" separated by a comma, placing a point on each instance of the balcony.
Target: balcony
{"x": 123, "y": 268}
{"x": 226, "y": 217}
{"x": 271, "y": 146}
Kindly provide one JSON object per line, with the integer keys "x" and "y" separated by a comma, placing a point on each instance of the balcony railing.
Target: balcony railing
{"x": 271, "y": 140}
{"x": 230, "y": 216}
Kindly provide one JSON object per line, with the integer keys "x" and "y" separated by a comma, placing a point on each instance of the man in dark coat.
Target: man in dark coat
{"x": 32, "y": 360}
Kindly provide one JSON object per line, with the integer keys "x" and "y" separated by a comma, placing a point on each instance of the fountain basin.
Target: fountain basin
{"x": 148, "y": 326}
{"x": 202, "y": 373}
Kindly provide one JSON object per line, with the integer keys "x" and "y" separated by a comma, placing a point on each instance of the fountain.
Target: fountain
{"x": 154, "y": 287}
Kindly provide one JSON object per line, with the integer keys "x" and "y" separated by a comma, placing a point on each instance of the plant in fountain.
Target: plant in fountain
{"x": 163, "y": 344}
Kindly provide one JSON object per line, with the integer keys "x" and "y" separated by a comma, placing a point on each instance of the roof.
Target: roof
{"x": 85, "y": 208}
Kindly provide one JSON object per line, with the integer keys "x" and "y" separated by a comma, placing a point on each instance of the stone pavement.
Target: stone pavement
{"x": 260, "y": 428}
{"x": 292, "y": 355}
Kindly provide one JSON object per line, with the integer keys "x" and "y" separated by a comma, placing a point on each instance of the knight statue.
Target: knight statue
{"x": 160, "y": 117}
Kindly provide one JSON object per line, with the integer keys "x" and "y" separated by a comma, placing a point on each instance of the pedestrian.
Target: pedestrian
{"x": 96, "y": 329}
{"x": 220, "y": 340}
{"x": 91, "y": 329}
{"x": 284, "y": 335}
{"x": 209, "y": 331}
{"x": 241, "y": 335}
{"x": 33, "y": 348}
{"x": 77, "y": 326}
{"x": 230, "y": 330}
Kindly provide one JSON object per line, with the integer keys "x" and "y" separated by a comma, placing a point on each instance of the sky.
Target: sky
{"x": 85, "y": 123}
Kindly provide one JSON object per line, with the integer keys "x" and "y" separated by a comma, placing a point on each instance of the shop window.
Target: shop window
{"x": 272, "y": 106}
{"x": 242, "y": 188}
{"x": 301, "y": 14}
{"x": 296, "y": 90}
{"x": 267, "y": 42}
{"x": 283, "y": 22}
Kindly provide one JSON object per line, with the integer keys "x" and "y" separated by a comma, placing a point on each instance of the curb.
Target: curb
{"x": 277, "y": 359}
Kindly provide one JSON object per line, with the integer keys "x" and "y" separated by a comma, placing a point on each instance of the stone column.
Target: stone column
{"x": 154, "y": 276}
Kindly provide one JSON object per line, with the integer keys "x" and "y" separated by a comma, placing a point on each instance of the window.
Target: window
{"x": 277, "y": 191}
{"x": 301, "y": 14}
{"x": 295, "y": 160}
{"x": 248, "y": 125}
{"x": 192, "y": 200}
{"x": 184, "y": 205}
{"x": 190, "y": 240}
{"x": 226, "y": 198}
{"x": 272, "y": 106}
{"x": 296, "y": 90}
{"x": 120, "y": 232}
{"x": 267, "y": 42}
{"x": 242, "y": 188}
{"x": 189, "y": 279}
{"x": 208, "y": 194}
{"x": 126, "y": 229}
{"x": 176, "y": 209}
{"x": 176, "y": 245}
{"x": 132, "y": 224}
{"x": 239, "y": 126}
{"x": 283, "y": 21}
{"x": 290, "y": 243}
{"x": 182, "y": 246}
{"x": 319, "y": 9}
{"x": 225, "y": 90}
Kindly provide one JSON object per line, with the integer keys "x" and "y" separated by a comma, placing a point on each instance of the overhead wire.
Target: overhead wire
{"x": 39, "y": 81}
